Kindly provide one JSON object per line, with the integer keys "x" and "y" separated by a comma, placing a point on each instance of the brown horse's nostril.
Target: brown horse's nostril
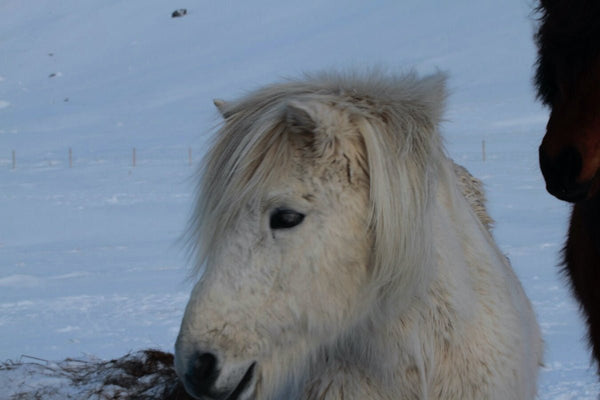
{"x": 561, "y": 174}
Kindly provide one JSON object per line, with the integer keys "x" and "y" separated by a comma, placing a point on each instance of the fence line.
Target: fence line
{"x": 70, "y": 158}
{"x": 134, "y": 156}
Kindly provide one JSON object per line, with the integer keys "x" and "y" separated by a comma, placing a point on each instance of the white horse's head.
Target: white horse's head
{"x": 310, "y": 217}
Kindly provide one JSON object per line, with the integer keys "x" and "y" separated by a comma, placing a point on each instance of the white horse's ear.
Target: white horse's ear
{"x": 222, "y": 107}
{"x": 308, "y": 121}
{"x": 300, "y": 118}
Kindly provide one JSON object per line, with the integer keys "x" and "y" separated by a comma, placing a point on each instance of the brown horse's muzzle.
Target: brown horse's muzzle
{"x": 561, "y": 174}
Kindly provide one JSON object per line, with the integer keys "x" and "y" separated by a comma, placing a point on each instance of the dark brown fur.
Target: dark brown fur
{"x": 581, "y": 258}
{"x": 568, "y": 40}
{"x": 568, "y": 82}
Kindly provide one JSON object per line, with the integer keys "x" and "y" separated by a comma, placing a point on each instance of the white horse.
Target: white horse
{"x": 340, "y": 259}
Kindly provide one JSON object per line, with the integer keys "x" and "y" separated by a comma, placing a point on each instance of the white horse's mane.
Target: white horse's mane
{"x": 396, "y": 117}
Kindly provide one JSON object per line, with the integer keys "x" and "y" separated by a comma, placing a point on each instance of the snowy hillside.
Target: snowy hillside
{"x": 91, "y": 261}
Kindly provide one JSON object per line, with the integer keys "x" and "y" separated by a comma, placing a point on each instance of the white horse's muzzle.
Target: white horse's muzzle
{"x": 205, "y": 376}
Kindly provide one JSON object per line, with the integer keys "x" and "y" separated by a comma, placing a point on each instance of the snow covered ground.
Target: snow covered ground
{"x": 91, "y": 261}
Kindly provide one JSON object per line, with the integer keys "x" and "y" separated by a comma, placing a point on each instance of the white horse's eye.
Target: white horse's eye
{"x": 284, "y": 219}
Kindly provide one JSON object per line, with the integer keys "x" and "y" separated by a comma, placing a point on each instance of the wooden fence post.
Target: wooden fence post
{"x": 483, "y": 150}
{"x": 133, "y": 157}
{"x": 14, "y": 160}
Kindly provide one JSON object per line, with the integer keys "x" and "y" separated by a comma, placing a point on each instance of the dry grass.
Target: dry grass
{"x": 146, "y": 375}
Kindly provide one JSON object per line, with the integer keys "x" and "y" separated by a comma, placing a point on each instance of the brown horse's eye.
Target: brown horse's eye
{"x": 285, "y": 219}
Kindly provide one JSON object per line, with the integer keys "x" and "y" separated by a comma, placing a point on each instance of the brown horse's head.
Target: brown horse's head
{"x": 570, "y": 151}
{"x": 568, "y": 81}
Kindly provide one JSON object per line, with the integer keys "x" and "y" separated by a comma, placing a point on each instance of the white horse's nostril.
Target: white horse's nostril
{"x": 206, "y": 378}
{"x": 201, "y": 374}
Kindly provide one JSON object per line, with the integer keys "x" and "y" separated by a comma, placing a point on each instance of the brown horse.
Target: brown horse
{"x": 568, "y": 82}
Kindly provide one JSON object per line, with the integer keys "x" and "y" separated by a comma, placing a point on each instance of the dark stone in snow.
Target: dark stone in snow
{"x": 179, "y": 13}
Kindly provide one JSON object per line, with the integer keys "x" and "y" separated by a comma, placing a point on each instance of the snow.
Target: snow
{"x": 92, "y": 261}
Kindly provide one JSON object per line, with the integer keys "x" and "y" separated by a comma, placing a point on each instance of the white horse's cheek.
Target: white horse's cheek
{"x": 332, "y": 293}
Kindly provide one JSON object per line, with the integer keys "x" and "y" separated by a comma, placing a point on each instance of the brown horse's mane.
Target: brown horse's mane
{"x": 568, "y": 40}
